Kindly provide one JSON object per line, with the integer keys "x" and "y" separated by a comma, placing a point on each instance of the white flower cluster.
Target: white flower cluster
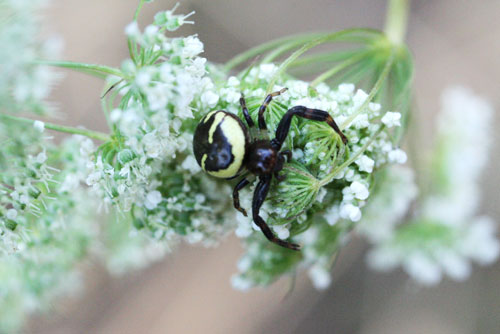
{"x": 45, "y": 228}
{"x": 150, "y": 171}
{"x": 157, "y": 100}
{"x": 445, "y": 236}
{"x": 24, "y": 85}
{"x": 318, "y": 153}
{"x": 389, "y": 204}
{"x": 126, "y": 248}
{"x": 25, "y": 184}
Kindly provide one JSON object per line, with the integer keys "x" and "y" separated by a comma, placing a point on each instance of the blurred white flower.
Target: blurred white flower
{"x": 192, "y": 47}
{"x": 349, "y": 211}
{"x": 153, "y": 198}
{"x": 391, "y": 119}
{"x": 209, "y": 99}
{"x": 444, "y": 237}
{"x": 40, "y": 126}
{"x": 11, "y": 214}
{"x": 389, "y": 204}
{"x": 191, "y": 165}
{"x": 132, "y": 30}
{"x": 397, "y": 156}
{"x": 320, "y": 277}
{"x": 281, "y": 231}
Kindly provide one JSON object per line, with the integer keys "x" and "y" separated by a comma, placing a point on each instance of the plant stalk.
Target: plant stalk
{"x": 60, "y": 128}
{"x": 397, "y": 20}
{"x": 96, "y": 70}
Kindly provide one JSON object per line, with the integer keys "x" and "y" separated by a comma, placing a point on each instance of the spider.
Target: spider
{"x": 223, "y": 148}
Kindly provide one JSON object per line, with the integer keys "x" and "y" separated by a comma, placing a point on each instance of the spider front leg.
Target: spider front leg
{"x": 262, "y": 109}
{"x": 258, "y": 198}
{"x": 301, "y": 111}
{"x": 236, "y": 195}
{"x": 246, "y": 114}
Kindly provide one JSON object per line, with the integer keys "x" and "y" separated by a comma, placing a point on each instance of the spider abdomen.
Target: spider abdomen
{"x": 220, "y": 142}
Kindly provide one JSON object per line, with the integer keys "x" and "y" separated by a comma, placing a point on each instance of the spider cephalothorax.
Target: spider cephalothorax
{"x": 224, "y": 148}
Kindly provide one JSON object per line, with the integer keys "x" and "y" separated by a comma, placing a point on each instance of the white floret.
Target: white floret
{"x": 392, "y": 119}
{"x": 365, "y": 164}
{"x": 397, "y": 156}
{"x": 359, "y": 190}
{"x": 153, "y": 198}
{"x": 39, "y": 125}
{"x": 351, "y": 212}
{"x": 209, "y": 99}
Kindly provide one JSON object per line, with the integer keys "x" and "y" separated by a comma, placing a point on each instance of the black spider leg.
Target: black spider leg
{"x": 236, "y": 195}
{"x": 243, "y": 182}
{"x": 259, "y": 196}
{"x": 283, "y": 156}
{"x": 301, "y": 111}
{"x": 267, "y": 100}
{"x": 246, "y": 114}
{"x": 287, "y": 154}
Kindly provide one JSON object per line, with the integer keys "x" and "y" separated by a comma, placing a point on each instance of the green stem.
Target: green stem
{"x": 325, "y": 57}
{"x": 396, "y": 20}
{"x": 298, "y": 171}
{"x": 60, "y": 128}
{"x": 253, "y": 52}
{"x": 132, "y": 50}
{"x": 138, "y": 10}
{"x": 281, "y": 50}
{"x": 289, "y": 60}
{"x": 343, "y": 35}
{"x": 334, "y": 70}
{"x": 96, "y": 70}
{"x": 132, "y": 47}
{"x": 297, "y": 40}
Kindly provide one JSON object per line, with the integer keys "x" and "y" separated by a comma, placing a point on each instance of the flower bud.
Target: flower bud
{"x": 125, "y": 156}
{"x": 34, "y": 192}
{"x": 10, "y": 224}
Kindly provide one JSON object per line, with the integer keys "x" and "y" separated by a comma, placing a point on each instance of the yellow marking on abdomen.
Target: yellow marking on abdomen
{"x": 236, "y": 137}
{"x": 215, "y": 124}
{"x": 203, "y": 158}
{"x": 207, "y": 116}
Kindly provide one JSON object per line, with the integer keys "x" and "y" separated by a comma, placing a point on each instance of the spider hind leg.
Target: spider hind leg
{"x": 236, "y": 195}
{"x": 258, "y": 198}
